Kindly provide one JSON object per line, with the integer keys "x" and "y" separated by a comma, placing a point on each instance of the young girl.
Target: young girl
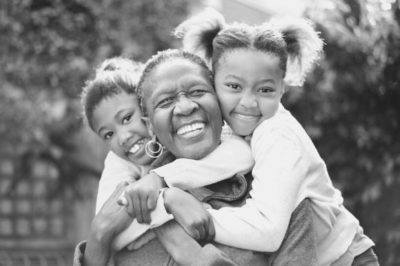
{"x": 252, "y": 65}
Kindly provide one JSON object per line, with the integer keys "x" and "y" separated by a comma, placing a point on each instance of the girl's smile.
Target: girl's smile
{"x": 249, "y": 85}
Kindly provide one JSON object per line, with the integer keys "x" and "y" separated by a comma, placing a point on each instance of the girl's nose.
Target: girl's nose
{"x": 184, "y": 106}
{"x": 123, "y": 137}
{"x": 248, "y": 100}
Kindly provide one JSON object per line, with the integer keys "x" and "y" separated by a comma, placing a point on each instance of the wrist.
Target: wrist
{"x": 168, "y": 195}
{"x": 101, "y": 233}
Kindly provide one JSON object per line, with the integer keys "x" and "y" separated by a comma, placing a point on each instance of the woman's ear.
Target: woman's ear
{"x": 149, "y": 126}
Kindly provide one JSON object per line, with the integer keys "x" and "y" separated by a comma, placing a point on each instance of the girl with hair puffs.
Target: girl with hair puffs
{"x": 251, "y": 66}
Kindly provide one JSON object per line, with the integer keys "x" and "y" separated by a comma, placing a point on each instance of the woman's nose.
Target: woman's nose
{"x": 184, "y": 106}
{"x": 248, "y": 100}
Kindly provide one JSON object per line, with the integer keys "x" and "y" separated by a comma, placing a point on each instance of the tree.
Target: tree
{"x": 351, "y": 108}
{"x": 48, "y": 50}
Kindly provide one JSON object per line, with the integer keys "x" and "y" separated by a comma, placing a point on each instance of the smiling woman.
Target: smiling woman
{"x": 182, "y": 108}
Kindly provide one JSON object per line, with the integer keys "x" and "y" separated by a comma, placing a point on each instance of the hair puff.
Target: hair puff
{"x": 198, "y": 32}
{"x": 303, "y": 44}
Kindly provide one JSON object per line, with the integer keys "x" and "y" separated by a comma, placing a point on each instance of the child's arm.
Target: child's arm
{"x": 115, "y": 171}
{"x": 278, "y": 174}
{"x": 232, "y": 156}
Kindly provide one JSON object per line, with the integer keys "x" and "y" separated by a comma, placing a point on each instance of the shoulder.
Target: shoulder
{"x": 114, "y": 165}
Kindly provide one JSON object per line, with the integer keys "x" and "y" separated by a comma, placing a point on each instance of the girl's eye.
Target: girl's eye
{"x": 165, "y": 103}
{"x": 266, "y": 90}
{"x": 233, "y": 86}
{"x": 126, "y": 119}
{"x": 108, "y": 135}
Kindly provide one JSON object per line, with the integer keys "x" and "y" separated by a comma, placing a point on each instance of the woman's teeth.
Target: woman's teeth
{"x": 190, "y": 130}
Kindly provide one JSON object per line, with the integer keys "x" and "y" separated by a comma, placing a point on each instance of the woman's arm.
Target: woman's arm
{"x": 186, "y": 251}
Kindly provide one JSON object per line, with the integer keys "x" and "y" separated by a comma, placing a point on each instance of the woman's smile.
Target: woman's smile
{"x": 192, "y": 130}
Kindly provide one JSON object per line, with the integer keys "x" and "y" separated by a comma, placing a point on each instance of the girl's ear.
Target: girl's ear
{"x": 149, "y": 126}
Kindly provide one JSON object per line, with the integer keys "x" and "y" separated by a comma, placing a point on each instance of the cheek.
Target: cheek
{"x": 268, "y": 107}
{"x": 161, "y": 124}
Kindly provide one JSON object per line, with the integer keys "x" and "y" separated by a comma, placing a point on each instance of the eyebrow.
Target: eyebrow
{"x": 234, "y": 76}
{"x": 242, "y": 80}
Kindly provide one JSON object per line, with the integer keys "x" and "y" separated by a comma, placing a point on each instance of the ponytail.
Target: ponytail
{"x": 198, "y": 32}
{"x": 303, "y": 45}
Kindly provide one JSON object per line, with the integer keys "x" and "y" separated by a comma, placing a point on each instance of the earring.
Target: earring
{"x": 153, "y": 148}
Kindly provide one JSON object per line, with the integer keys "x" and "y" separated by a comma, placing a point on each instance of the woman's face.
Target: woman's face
{"x": 117, "y": 120}
{"x": 182, "y": 108}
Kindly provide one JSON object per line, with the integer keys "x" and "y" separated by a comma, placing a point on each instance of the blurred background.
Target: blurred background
{"x": 50, "y": 163}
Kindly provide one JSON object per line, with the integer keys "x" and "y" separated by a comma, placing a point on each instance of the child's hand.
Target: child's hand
{"x": 111, "y": 219}
{"x": 141, "y": 197}
{"x": 190, "y": 214}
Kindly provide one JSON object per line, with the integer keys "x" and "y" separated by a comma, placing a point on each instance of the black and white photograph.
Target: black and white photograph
{"x": 199, "y": 133}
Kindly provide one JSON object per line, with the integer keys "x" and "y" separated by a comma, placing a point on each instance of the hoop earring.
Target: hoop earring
{"x": 153, "y": 153}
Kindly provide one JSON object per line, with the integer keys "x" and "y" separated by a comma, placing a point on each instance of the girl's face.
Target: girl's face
{"x": 183, "y": 108}
{"x": 249, "y": 85}
{"x": 117, "y": 120}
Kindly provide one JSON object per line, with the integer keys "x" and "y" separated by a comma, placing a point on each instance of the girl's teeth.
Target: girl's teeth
{"x": 134, "y": 148}
{"x": 190, "y": 129}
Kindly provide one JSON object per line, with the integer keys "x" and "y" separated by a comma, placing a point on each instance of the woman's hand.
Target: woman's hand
{"x": 190, "y": 214}
{"x": 183, "y": 249}
{"x": 110, "y": 221}
{"x": 141, "y": 196}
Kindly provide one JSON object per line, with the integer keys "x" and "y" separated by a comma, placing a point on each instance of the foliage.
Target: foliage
{"x": 351, "y": 107}
{"x": 48, "y": 49}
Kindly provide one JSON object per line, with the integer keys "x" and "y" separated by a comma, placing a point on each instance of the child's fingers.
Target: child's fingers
{"x": 137, "y": 207}
{"x": 122, "y": 201}
{"x": 152, "y": 202}
{"x": 211, "y": 230}
{"x": 145, "y": 211}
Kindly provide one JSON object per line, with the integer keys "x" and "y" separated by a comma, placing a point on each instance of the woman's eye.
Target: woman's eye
{"x": 197, "y": 92}
{"x": 165, "y": 103}
{"x": 233, "y": 86}
{"x": 126, "y": 118}
{"x": 108, "y": 135}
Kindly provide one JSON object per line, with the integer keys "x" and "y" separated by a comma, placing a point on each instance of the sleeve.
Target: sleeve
{"x": 115, "y": 171}
{"x": 232, "y": 156}
{"x": 79, "y": 254}
{"x": 158, "y": 216}
{"x": 262, "y": 222}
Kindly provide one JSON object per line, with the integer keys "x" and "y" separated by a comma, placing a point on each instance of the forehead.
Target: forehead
{"x": 248, "y": 62}
{"x": 174, "y": 72}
